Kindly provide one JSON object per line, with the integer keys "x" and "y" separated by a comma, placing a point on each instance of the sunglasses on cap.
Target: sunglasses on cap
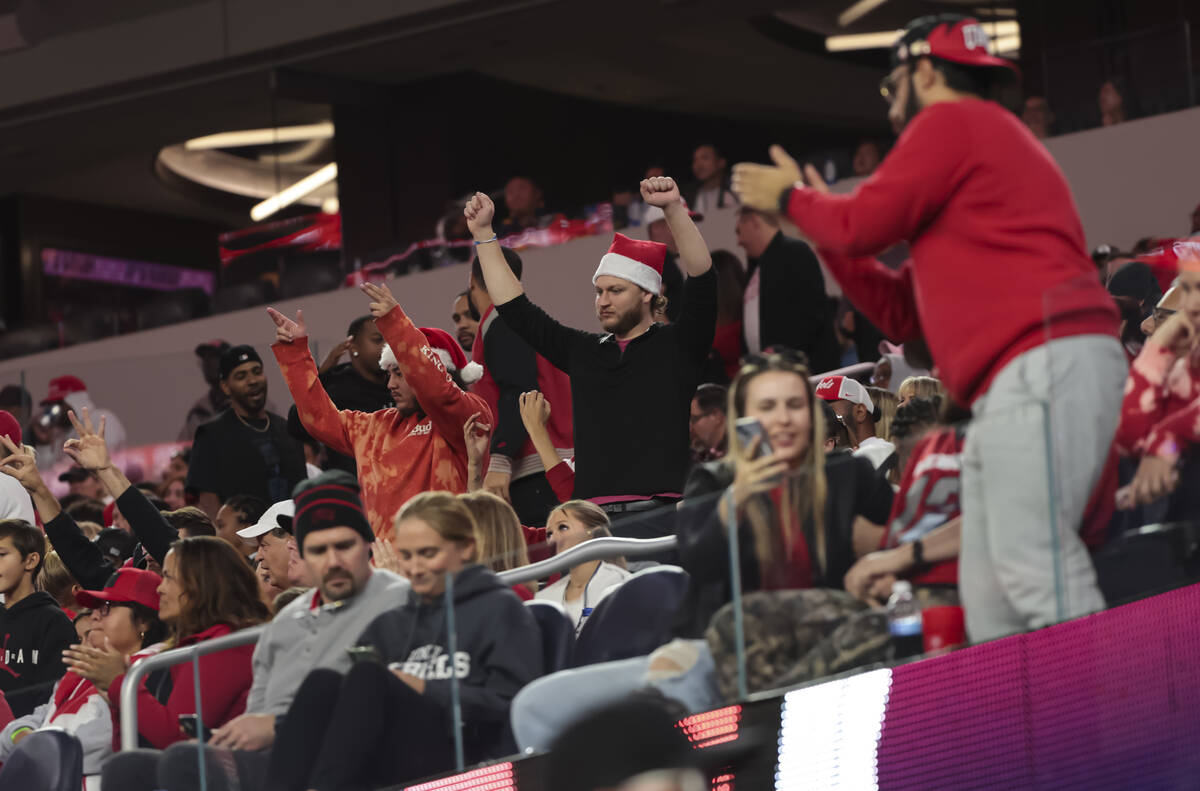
{"x": 764, "y": 358}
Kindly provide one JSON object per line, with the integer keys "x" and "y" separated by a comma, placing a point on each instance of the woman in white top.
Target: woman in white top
{"x": 581, "y": 589}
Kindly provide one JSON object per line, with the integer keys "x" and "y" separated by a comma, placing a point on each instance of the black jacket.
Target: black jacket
{"x": 34, "y": 632}
{"x": 499, "y": 651}
{"x": 230, "y": 458}
{"x": 347, "y": 389}
{"x": 630, "y": 409}
{"x": 793, "y": 309}
{"x": 853, "y": 488}
{"x": 87, "y": 564}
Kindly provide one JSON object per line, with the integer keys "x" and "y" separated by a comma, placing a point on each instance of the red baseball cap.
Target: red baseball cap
{"x": 9, "y": 427}
{"x": 951, "y": 37}
{"x": 127, "y": 586}
{"x": 843, "y": 388}
{"x": 63, "y": 386}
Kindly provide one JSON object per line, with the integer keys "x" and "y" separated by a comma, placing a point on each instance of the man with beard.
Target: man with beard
{"x": 311, "y": 632}
{"x": 245, "y": 449}
{"x": 632, "y": 386}
{"x": 466, "y": 321}
{"x": 1001, "y": 287}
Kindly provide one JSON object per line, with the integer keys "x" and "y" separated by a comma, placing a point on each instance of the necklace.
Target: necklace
{"x": 247, "y": 424}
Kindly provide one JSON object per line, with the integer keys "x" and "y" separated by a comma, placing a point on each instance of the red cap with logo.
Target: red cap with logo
{"x": 9, "y": 427}
{"x": 127, "y": 586}
{"x": 954, "y": 38}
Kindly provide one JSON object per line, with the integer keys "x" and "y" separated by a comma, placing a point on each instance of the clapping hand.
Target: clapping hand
{"x": 759, "y": 186}
{"x": 660, "y": 191}
{"x": 381, "y": 297}
{"x": 287, "y": 330}
{"x": 480, "y": 211}
{"x": 89, "y": 451}
{"x": 101, "y": 666}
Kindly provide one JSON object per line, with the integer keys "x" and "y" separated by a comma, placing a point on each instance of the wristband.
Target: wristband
{"x": 918, "y": 552}
{"x": 785, "y": 198}
{"x": 485, "y": 241}
{"x": 18, "y": 732}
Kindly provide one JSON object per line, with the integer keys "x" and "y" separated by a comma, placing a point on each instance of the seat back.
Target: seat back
{"x": 558, "y": 633}
{"x": 634, "y": 619}
{"x": 1148, "y": 560}
{"x": 48, "y": 760}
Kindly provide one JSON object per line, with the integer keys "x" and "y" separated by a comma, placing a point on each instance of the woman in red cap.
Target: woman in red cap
{"x": 415, "y": 446}
{"x": 124, "y": 619}
{"x": 207, "y": 590}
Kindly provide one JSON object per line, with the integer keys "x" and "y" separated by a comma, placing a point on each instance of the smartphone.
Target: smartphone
{"x": 364, "y": 653}
{"x": 747, "y": 429}
{"x": 191, "y": 726}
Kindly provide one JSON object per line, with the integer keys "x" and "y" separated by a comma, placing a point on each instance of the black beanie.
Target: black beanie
{"x": 329, "y": 500}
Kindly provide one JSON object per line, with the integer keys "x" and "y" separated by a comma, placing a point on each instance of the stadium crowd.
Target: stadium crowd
{"x": 711, "y": 401}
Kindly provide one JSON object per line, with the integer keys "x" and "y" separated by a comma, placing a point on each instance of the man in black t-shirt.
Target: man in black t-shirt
{"x": 245, "y": 449}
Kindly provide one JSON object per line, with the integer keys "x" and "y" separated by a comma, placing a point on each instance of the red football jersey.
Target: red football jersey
{"x": 928, "y": 498}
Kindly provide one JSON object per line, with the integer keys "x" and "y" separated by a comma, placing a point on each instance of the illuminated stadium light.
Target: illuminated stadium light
{"x": 829, "y": 736}
{"x": 262, "y": 137}
{"x": 498, "y": 777}
{"x": 294, "y": 192}
{"x": 858, "y": 11}
{"x": 1005, "y": 31}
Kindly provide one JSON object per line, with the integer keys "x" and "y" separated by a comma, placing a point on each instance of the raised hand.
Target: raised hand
{"x": 381, "y": 298}
{"x": 660, "y": 191}
{"x": 535, "y": 410}
{"x": 287, "y": 330}
{"x": 335, "y": 354}
{"x": 759, "y": 186}
{"x": 1176, "y": 334}
{"x": 386, "y": 557}
{"x": 754, "y": 476}
{"x": 101, "y": 666}
{"x": 19, "y": 463}
{"x": 477, "y": 436}
{"x": 480, "y": 211}
{"x": 89, "y": 451}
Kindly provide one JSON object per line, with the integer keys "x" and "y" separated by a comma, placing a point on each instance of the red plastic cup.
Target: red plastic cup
{"x": 943, "y": 628}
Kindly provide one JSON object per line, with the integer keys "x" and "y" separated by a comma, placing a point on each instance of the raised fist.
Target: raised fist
{"x": 660, "y": 191}
{"x": 480, "y": 211}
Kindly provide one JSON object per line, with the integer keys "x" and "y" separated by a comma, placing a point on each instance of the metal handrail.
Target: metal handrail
{"x": 139, "y": 670}
{"x": 595, "y": 549}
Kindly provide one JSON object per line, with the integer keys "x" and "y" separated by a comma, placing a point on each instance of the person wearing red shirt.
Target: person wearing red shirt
{"x": 1001, "y": 288}
{"x": 413, "y": 447}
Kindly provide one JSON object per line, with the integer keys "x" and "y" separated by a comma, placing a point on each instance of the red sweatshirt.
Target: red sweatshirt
{"x": 997, "y": 246}
{"x": 225, "y": 679}
{"x": 1161, "y": 412}
{"x": 398, "y": 455}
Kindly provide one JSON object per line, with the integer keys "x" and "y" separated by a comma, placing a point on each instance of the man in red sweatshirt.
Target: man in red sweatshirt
{"x": 1001, "y": 287}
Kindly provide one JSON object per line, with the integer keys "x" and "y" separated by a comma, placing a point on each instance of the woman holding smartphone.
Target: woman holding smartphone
{"x": 794, "y": 510}
{"x": 389, "y": 719}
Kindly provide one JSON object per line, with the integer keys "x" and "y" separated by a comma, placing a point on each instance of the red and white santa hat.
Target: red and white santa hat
{"x": 447, "y": 350}
{"x": 843, "y": 388}
{"x": 641, "y": 263}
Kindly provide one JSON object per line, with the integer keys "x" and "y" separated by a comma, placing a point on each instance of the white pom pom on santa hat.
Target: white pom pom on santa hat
{"x": 637, "y": 261}
{"x": 447, "y": 350}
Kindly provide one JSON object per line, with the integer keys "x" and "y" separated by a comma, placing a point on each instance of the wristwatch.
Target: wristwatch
{"x": 918, "y": 550}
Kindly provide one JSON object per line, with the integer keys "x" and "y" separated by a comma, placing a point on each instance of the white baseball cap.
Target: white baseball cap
{"x": 278, "y": 515}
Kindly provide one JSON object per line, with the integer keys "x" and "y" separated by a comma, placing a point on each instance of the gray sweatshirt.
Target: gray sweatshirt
{"x": 302, "y": 638}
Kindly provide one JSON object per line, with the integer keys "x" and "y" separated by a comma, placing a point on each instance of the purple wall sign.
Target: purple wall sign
{"x": 121, "y": 271}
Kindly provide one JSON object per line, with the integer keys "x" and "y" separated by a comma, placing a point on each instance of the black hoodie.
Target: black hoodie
{"x": 34, "y": 632}
{"x": 499, "y": 651}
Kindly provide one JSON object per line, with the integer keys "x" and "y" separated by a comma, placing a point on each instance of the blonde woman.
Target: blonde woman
{"x": 499, "y": 538}
{"x": 919, "y": 387}
{"x": 886, "y": 403}
{"x": 578, "y": 591}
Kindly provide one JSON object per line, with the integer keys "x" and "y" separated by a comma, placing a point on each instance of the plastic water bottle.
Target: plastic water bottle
{"x": 904, "y": 621}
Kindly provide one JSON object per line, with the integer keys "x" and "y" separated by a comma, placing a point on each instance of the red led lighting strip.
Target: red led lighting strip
{"x": 712, "y": 727}
{"x": 489, "y": 778}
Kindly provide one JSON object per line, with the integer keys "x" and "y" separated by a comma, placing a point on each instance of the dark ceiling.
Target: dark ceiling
{"x": 703, "y": 57}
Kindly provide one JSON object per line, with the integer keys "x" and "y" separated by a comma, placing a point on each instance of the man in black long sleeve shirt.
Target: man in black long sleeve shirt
{"x": 631, "y": 386}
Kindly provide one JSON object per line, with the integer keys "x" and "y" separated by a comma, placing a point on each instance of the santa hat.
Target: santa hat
{"x": 63, "y": 386}
{"x": 447, "y": 350}
{"x": 641, "y": 263}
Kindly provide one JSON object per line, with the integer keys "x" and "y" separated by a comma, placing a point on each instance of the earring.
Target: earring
{"x": 353, "y": 354}
{"x": 142, "y": 635}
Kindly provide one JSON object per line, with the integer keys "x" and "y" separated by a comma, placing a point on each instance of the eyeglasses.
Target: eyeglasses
{"x": 107, "y": 607}
{"x": 1162, "y": 314}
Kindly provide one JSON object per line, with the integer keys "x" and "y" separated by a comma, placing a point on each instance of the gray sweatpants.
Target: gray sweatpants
{"x": 1035, "y": 449}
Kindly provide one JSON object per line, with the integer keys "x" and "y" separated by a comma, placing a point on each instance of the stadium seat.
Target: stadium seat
{"x": 634, "y": 619}
{"x": 49, "y": 760}
{"x": 172, "y": 307}
{"x": 243, "y": 295}
{"x": 309, "y": 276}
{"x": 1148, "y": 560}
{"x": 558, "y": 634}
